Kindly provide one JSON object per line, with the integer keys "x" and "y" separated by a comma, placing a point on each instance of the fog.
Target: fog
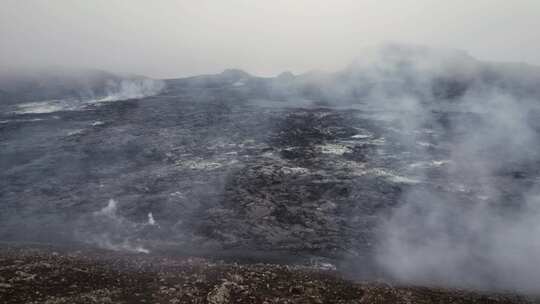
{"x": 178, "y": 38}
{"x": 479, "y": 226}
{"x": 473, "y": 221}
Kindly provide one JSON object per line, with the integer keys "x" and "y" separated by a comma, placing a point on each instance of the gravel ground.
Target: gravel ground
{"x": 38, "y": 274}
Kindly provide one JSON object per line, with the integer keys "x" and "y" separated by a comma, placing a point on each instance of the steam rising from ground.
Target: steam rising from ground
{"x": 107, "y": 229}
{"x": 475, "y": 223}
{"x": 482, "y": 228}
{"x": 434, "y": 240}
{"x": 90, "y": 94}
{"x": 132, "y": 89}
{"x": 486, "y": 235}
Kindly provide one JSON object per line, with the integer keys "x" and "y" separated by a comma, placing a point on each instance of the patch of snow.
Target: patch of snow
{"x": 424, "y": 144}
{"x": 378, "y": 141}
{"x": 391, "y": 176}
{"x": 361, "y": 136}
{"x": 429, "y": 164}
{"x": 199, "y": 164}
{"x": 75, "y": 132}
{"x": 336, "y": 149}
{"x": 294, "y": 170}
{"x": 20, "y": 120}
{"x": 177, "y": 194}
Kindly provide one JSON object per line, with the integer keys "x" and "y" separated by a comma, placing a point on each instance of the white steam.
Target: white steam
{"x": 106, "y": 229}
{"x": 433, "y": 240}
{"x": 132, "y": 89}
{"x": 151, "y": 220}
{"x": 487, "y": 233}
{"x": 115, "y": 91}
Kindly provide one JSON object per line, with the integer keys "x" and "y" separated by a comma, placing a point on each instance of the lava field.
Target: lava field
{"x": 221, "y": 166}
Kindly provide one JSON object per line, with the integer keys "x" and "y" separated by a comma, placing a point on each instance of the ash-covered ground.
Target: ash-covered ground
{"x": 429, "y": 186}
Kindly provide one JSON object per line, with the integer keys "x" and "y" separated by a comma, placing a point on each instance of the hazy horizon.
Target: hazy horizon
{"x": 166, "y": 39}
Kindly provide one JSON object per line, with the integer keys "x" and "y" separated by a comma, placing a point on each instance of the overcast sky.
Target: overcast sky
{"x": 168, "y": 38}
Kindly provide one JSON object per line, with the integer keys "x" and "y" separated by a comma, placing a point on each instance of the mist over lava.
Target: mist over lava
{"x": 414, "y": 164}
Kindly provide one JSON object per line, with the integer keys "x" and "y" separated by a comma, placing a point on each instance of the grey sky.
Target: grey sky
{"x": 166, "y": 38}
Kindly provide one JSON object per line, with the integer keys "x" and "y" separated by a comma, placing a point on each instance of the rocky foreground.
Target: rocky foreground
{"x": 67, "y": 275}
